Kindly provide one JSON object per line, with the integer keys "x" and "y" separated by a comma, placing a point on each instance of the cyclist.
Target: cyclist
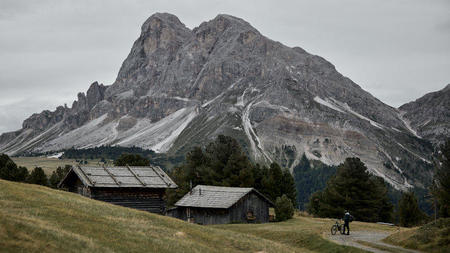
{"x": 347, "y": 219}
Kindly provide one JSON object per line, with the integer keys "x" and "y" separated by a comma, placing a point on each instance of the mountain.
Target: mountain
{"x": 430, "y": 115}
{"x": 180, "y": 88}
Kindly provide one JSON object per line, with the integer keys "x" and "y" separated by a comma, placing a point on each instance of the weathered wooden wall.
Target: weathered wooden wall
{"x": 146, "y": 199}
{"x": 203, "y": 216}
{"x": 251, "y": 202}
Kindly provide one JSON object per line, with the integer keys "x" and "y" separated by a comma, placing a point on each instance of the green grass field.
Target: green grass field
{"x": 49, "y": 164}
{"x": 39, "y": 219}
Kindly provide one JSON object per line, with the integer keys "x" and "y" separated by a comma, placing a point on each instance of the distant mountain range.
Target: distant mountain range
{"x": 179, "y": 88}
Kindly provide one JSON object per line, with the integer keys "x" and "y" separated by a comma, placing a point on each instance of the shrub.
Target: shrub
{"x": 284, "y": 209}
{"x": 38, "y": 176}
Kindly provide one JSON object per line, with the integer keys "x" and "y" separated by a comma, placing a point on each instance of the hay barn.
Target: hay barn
{"x": 222, "y": 205}
{"x": 140, "y": 188}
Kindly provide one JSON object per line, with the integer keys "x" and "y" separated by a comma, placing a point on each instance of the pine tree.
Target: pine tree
{"x": 409, "y": 212}
{"x": 58, "y": 175}
{"x": 354, "y": 189}
{"x": 309, "y": 180}
{"x": 288, "y": 187}
{"x": 131, "y": 160}
{"x": 441, "y": 185}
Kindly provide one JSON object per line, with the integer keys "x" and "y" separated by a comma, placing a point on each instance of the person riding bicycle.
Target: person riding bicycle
{"x": 347, "y": 219}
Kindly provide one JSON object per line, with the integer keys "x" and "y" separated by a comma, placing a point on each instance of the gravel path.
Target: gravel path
{"x": 368, "y": 236}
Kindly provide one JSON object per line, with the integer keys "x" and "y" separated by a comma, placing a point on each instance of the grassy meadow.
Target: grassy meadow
{"x": 49, "y": 164}
{"x": 432, "y": 237}
{"x": 39, "y": 219}
{"x": 304, "y": 231}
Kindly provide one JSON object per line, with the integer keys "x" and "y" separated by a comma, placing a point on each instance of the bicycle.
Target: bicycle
{"x": 338, "y": 226}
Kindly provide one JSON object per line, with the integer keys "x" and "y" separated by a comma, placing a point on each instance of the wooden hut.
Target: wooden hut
{"x": 141, "y": 188}
{"x": 222, "y": 205}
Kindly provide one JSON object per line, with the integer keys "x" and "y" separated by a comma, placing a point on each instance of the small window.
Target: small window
{"x": 250, "y": 216}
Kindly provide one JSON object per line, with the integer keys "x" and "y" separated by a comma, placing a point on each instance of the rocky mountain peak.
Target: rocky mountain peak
{"x": 180, "y": 88}
{"x": 95, "y": 94}
{"x": 158, "y": 21}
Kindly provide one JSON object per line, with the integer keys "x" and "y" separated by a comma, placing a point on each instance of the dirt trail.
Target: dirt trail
{"x": 367, "y": 236}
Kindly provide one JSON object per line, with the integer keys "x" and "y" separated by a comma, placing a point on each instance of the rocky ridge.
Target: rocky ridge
{"x": 430, "y": 115}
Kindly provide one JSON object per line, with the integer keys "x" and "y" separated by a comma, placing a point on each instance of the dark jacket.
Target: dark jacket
{"x": 347, "y": 218}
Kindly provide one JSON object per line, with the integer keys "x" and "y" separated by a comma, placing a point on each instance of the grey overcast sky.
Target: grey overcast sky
{"x": 398, "y": 50}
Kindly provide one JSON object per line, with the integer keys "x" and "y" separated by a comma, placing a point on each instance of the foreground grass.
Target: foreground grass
{"x": 39, "y": 219}
{"x": 432, "y": 237}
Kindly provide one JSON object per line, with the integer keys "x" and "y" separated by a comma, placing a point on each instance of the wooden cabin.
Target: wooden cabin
{"x": 222, "y": 205}
{"x": 140, "y": 188}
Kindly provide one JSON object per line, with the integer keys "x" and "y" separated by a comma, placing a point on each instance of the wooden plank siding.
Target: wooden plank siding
{"x": 151, "y": 200}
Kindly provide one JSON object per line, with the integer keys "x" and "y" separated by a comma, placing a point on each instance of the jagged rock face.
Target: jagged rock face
{"x": 179, "y": 88}
{"x": 430, "y": 115}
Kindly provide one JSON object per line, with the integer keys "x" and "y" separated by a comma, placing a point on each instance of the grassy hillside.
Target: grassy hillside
{"x": 39, "y": 219}
{"x": 432, "y": 237}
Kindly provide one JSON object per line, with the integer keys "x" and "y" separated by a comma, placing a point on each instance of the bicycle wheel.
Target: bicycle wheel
{"x": 334, "y": 229}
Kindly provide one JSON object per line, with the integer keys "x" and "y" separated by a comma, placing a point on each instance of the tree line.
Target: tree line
{"x": 10, "y": 171}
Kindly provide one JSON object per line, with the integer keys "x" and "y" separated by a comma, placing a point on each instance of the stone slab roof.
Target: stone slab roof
{"x": 126, "y": 176}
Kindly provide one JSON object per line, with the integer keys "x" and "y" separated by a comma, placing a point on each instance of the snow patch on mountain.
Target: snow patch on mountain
{"x": 327, "y": 104}
{"x": 396, "y": 185}
{"x": 160, "y": 135}
{"x": 350, "y": 110}
{"x": 407, "y": 124}
{"x": 56, "y": 155}
{"x": 416, "y": 155}
{"x": 252, "y": 137}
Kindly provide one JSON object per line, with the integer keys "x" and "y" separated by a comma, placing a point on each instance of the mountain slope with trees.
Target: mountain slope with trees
{"x": 223, "y": 163}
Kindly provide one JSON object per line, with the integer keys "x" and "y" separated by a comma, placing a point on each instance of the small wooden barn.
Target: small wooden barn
{"x": 222, "y": 205}
{"x": 141, "y": 188}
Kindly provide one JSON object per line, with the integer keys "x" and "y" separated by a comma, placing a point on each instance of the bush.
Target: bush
{"x": 284, "y": 209}
{"x": 38, "y": 176}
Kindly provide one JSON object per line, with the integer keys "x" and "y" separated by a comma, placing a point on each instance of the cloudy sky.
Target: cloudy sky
{"x": 50, "y": 50}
